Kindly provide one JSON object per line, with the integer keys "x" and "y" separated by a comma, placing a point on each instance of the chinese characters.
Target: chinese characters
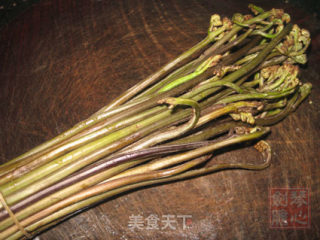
{"x": 289, "y": 208}
{"x": 155, "y": 222}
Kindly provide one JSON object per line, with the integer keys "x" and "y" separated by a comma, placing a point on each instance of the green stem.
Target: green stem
{"x": 172, "y": 160}
{"x": 201, "y": 69}
{"x": 292, "y": 104}
{"x": 75, "y": 155}
{"x": 132, "y": 91}
{"x": 11, "y": 199}
{"x": 256, "y": 95}
{"x": 59, "y": 215}
{"x": 189, "y": 67}
{"x": 100, "y": 189}
{"x": 261, "y": 56}
{"x": 207, "y": 133}
{"x": 159, "y": 164}
{"x": 176, "y": 131}
{"x": 20, "y": 168}
{"x": 155, "y": 76}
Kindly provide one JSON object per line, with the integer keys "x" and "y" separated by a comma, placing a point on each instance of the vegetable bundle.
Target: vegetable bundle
{"x": 227, "y": 89}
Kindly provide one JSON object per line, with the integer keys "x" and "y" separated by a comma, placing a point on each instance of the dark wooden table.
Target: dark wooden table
{"x": 62, "y": 60}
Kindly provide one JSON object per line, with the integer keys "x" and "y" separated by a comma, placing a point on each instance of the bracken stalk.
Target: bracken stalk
{"x": 226, "y": 90}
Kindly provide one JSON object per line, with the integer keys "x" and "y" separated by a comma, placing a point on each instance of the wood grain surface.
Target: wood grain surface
{"x": 62, "y": 60}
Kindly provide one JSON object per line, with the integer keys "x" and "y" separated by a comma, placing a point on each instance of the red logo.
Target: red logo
{"x": 188, "y": 222}
{"x": 289, "y": 208}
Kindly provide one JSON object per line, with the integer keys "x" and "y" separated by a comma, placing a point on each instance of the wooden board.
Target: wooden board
{"x": 60, "y": 61}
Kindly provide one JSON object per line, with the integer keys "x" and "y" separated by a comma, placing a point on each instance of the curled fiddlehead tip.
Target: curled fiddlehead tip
{"x": 246, "y": 112}
{"x": 295, "y": 45}
{"x": 286, "y": 18}
{"x": 305, "y": 89}
{"x": 277, "y": 13}
{"x": 255, "y": 9}
{"x": 264, "y": 148}
{"x": 215, "y": 21}
{"x": 218, "y": 27}
{"x": 278, "y": 78}
{"x": 244, "y": 117}
{"x": 239, "y": 19}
